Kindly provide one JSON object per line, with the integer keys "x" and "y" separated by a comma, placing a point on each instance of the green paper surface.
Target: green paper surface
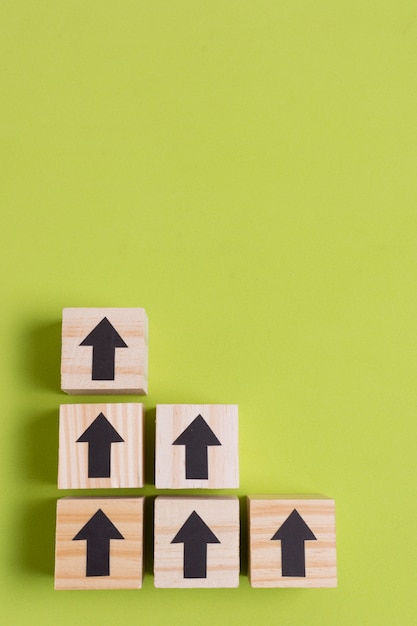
{"x": 245, "y": 171}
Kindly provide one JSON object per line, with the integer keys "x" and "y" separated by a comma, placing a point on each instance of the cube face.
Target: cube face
{"x": 100, "y": 446}
{"x": 292, "y": 541}
{"x": 99, "y": 543}
{"x": 196, "y": 446}
{"x": 104, "y": 351}
{"x": 196, "y": 542}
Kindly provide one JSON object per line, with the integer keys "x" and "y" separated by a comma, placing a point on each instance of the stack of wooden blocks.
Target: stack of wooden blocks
{"x": 99, "y": 540}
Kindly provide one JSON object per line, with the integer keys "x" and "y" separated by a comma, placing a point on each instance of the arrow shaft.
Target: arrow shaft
{"x": 195, "y": 560}
{"x": 196, "y": 461}
{"x": 98, "y": 557}
{"x": 293, "y": 558}
{"x": 103, "y": 362}
{"x": 99, "y": 455}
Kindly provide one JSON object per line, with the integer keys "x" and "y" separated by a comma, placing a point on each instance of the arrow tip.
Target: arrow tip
{"x": 98, "y": 527}
{"x": 195, "y": 529}
{"x": 294, "y": 527}
{"x": 197, "y": 432}
{"x": 104, "y": 333}
{"x": 100, "y": 430}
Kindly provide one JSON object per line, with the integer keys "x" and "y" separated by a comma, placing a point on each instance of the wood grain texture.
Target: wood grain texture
{"x": 126, "y": 556}
{"x": 131, "y": 363}
{"x": 127, "y": 457}
{"x": 266, "y": 514}
{"x": 221, "y": 515}
{"x": 170, "y": 460}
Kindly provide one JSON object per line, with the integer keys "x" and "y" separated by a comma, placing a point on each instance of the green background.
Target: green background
{"x": 246, "y": 172}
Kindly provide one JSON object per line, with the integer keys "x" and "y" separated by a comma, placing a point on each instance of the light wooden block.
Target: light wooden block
{"x": 196, "y": 542}
{"x": 99, "y": 543}
{"x": 196, "y": 446}
{"x": 100, "y": 446}
{"x": 292, "y": 541}
{"x": 104, "y": 351}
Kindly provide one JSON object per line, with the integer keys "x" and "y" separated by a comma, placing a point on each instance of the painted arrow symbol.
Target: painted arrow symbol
{"x": 196, "y": 438}
{"x": 105, "y": 339}
{"x": 98, "y": 532}
{"x": 292, "y": 534}
{"x": 99, "y": 436}
{"x": 195, "y": 535}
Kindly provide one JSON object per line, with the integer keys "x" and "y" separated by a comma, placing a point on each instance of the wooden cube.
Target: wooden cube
{"x": 292, "y": 541}
{"x": 196, "y": 446}
{"x": 99, "y": 543}
{"x": 104, "y": 351}
{"x": 196, "y": 542}
{"x": 100, "y": 446}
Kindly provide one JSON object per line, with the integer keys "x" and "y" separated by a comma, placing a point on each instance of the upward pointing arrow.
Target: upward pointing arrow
{"x": 195, "y": 535}
{"x": 196, "y": 437}
{"x": 98, "y": 532}
{"x": 105, "y": 339}
{"x": 99, "y": 436}
{"x": 292, "y": 534}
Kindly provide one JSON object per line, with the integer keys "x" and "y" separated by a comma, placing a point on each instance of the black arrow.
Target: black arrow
{"x": 98, "y": 532}
{"x": 195, "y": 535}
{"x": 292, "y": 534}
{"x": 105, "y": 339}
{"x": 196, "y": 437}
{"x": 99, "y": 436}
